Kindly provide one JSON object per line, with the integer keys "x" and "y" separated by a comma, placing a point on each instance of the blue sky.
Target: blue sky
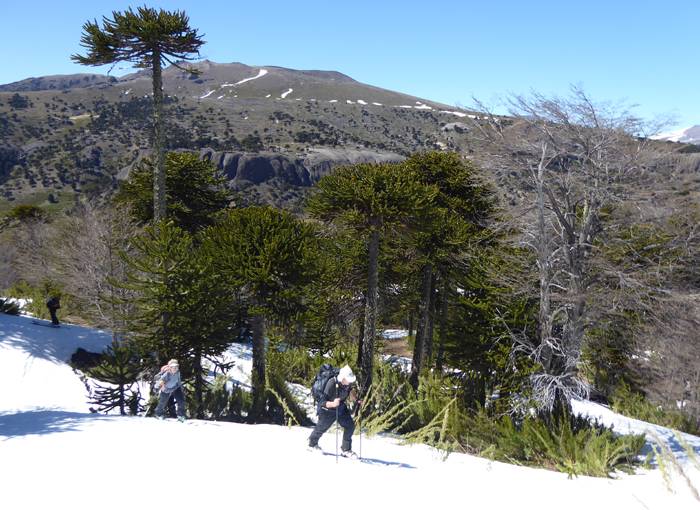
{"x": 644, "y": 52}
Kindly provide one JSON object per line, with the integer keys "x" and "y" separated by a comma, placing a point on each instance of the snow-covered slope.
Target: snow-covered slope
{"x": 685, "y": 135}
{"x": 55, "y": 454}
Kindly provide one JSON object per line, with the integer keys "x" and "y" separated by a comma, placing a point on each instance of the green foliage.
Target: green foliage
{"x": 633, "y": 404}
{"x": 266, "y": 252}
{"x": 392, "y": 405}
{"x": 140, "y": 37}
{"x": 479, "y": 339}
{"x": 9, "y": 307}
{"x": 570, "y": 444}
{"x": 281, "y": 401}
{"x": 364, "y": 197}
{"x": 184, "y": 309}
{"x": 268, "y": 257}
{"x": 292, "y": 364}
{"x": 35, "y": 297}
{"x": 19, "y": 102}
{"x": 223, "y": 404}
{"x": 195, "y": 194}
{"x": 120, "y": 370}
{"x": 25, "y": 212}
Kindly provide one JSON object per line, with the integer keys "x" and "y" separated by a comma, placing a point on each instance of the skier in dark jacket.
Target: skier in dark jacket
{"x": 53, "y": 304}
{"x": 333, "y": 406}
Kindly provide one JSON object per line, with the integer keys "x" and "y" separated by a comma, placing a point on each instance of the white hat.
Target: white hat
{"x": 346, "y": 373}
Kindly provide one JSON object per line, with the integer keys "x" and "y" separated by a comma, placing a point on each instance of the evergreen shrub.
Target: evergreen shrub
{"x": 570, "y": 444}
{"x": 633, "y": 404}
{"x": 35, "y": 297}
{"x": 9, "y": 307}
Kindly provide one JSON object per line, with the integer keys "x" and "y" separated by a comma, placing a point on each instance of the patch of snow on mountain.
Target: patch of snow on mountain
{"x": 360, "y": 101}
{"x": 286, "y": 93}
{"x": 458, "y": 114}
{"x": 349, "y": 102}
{"x": 207, "y": 94}
{"x": 377, "y": 104}
{"x": 687, "y": 135}
{"x": 262, "y": 72}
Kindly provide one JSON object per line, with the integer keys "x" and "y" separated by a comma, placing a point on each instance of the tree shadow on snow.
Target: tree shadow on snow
{"x": 40, "y": 422}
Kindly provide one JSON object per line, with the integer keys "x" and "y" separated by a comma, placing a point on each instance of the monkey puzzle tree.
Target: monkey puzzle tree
{"x": 463, "y": 207}
{"x": 269, "y": 256}
{"x": 195, "y": 192}
{"x": 371, "y": 200}
{"x": 147, "y": 38}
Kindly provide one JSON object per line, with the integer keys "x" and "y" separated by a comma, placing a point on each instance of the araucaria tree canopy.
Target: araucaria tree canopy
{"x": 147, "y": 38}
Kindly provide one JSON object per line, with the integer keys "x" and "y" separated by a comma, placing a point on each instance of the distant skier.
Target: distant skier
{"x": 333, "y": 406}
{"x": 171, "y": 384}
{"x": 53, "y": 304}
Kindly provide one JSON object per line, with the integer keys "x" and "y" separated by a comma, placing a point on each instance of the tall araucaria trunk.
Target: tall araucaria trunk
{"x": 420, "y": 347}
{"x": 370, "y": 313}
{"x": 258, "y": 359}
{"x": 159, "y": 190}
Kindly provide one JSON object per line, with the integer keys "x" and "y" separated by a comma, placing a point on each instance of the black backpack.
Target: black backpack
{"x": 324, "y": 374}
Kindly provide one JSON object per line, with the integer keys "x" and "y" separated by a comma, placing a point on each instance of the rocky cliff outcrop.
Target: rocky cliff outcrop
{"x": 260, "y": 167}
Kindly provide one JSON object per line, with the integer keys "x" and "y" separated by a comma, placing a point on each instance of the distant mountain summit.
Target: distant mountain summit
{"x": 685, "y": 135}
{"x": 273, "y": 132}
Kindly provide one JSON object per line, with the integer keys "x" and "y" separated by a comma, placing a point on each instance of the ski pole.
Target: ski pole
{"x": 337, "y": 425}
{"x": 360, "y": 431}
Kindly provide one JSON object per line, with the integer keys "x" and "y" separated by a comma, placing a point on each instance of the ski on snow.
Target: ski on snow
{"x": 331, "y": 454}
{"x": 37, "y": 323}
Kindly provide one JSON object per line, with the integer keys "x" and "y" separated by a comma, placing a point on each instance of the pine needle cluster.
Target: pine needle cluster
{"x": 567, "y": 443}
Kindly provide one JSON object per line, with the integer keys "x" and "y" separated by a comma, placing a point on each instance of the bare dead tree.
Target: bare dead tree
{"x": 9, "y": 271}
{"x": 570, "y": 162}
{"x": 86, "y": 252}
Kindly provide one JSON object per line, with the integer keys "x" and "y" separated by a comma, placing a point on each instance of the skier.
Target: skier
{"x": 333, "y": 407}
{"x": 170, "y": 384}
{"x": 53, "y": 304}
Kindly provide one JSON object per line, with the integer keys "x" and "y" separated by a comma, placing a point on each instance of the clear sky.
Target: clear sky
{"x": 643, "y": 51}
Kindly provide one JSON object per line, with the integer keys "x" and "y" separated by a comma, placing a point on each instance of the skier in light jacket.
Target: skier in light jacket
{"x": 171, "y": 384}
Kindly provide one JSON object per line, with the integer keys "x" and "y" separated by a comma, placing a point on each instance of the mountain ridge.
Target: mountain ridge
{"x": 685, "y": 135}
{"x": 74, "y": 134}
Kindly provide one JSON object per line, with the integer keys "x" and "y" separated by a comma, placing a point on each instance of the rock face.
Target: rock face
{"x": 260, "y": 167}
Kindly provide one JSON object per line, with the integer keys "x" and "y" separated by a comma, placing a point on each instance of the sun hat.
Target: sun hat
{"x": 173, "y": 363}
{"x": 346, "y": 373}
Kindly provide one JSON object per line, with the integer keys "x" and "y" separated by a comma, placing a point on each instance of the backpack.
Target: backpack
{"x": 163, "y": 369}
{"x": 323, "y": 375}
{"x": 57, "y": 303}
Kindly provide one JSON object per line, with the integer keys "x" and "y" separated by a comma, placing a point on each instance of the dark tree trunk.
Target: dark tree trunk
{"x": 367, "y": 366}
{"x": 361, "y": 341}
{"x": 198, "y": 382}
{"x": 159, "y": 190}
{"x": 443, "y": 325}
{"x": 258, "y": 374}
{"x": 419, "y": 349}
{"x": 431, "y": 319}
